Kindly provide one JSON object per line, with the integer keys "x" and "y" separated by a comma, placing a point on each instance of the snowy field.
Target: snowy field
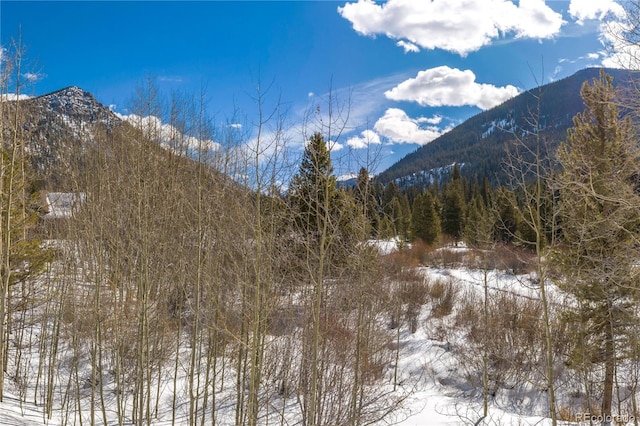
{"x": 439, "y": 394}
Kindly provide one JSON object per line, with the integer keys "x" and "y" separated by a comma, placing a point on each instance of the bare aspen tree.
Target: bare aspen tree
{"x": 21, "y": 256}
{"x": 530, "y": 168}
{"x": 265, "y": 157}
{"x": 478, "y": 235}
{"x": 623, "y": 39}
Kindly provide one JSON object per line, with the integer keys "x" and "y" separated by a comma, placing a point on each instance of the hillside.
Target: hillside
{"x": 480, "y": 143}
{"x": 56, "y": 127}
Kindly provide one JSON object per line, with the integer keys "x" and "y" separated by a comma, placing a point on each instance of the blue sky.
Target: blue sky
{"x": 411, "y": 69}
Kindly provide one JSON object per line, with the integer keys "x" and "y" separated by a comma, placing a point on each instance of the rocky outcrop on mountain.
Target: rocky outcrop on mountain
{"x": 55, "y": 129}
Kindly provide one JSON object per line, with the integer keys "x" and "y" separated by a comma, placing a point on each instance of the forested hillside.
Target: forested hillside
{"x": 481, "y": 143}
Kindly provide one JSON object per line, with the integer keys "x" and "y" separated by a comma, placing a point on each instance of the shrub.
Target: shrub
{"x": 514, "y": 260}
{"x": 443, "y": 295}
{"x": 445, "y": 258}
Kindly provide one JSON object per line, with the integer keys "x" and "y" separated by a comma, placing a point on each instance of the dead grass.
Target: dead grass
{"x": 443, "y": 296}
{"x": 445, "y": 258}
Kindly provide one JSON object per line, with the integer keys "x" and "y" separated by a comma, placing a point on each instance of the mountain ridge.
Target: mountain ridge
{"x": 55, "y": 127}
{"x": 70, "y": 117}
{"x": 480, "y": 142}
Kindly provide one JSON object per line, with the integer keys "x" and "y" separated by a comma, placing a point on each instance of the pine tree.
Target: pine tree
{"x": 477, "y": 229}
{"x": 390, "y": 193}
{"x": 403, "y": 217}
{"x": 366, "y": 201}
{"x": 313, "y": 189}
{"x": 600, "y": 213}
{"x": 325, "y": 233}
{"x": 506, "y": 225}
{"x": 425, "y": 223}
{"x": 453, "y": 209}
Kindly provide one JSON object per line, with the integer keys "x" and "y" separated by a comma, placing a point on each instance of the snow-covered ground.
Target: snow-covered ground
{"x": 427, "y": 364}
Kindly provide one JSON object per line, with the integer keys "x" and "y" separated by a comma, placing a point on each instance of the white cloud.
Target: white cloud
{"x": 459, "y": 26}
{"x": 436, "y": 119}
{"x": 398, "y": 127}
{"x": 169, "y": 136}
{"x": 620, "y": 53}
{"x": 444, "y": 86}
{"x": 13, "y": 97}
{"x": 615, "y": 32}
{"x": 31, "y": 77}
{"x": 366, "y": 138}
{"x": 235, "y": 125}
{"x": 334, "y": 146}
{"x": 408, "y": 46}
{"x": 583, "y": 10}
{"x": 170, "y": 79}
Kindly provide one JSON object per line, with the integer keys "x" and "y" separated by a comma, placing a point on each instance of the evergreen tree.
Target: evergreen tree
{"x": 325, "y": 217}
{"x": 425, "y": 223}
{"x": 486, "y": 191}
{"x": 455, "y": 173}
{"x": 477, "y": 230}
{"x": 313, "y": 189}
{"x": 506, "y": 224}
{"x": 453, "y": 209}
{"x": 366, "y": 201}
{"x": 403, "y": 216}
{"x": 390, "y": 193}
{"x": 396, "y": 209}
{"x": 600, "y": 213}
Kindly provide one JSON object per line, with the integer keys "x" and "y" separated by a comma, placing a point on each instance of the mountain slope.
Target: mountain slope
{"x": 55, "y": 128}
{"x": 479, "y": 144}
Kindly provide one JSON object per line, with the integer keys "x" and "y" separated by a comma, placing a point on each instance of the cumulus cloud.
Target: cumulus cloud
{"x": 169, "y": 136}
{"x": 398, "y": 127}
{"x": 31, "y": 77}
{"x": 13, "y": 97}
{"x": 444, "y": 86}
{"x": 408, "y": 46}
{"x": 459, "y": 26}
{"x": 620, "y": 53}
{"x": 334, "y": 146}
{"x": 436, "y": 119}
{"x": 583, "y": 10}
{"x": 614, "y": 32}
{"x": 364, "y": 140}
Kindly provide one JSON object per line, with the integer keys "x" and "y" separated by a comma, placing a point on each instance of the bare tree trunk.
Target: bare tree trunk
{"x": 609, "y": 370}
